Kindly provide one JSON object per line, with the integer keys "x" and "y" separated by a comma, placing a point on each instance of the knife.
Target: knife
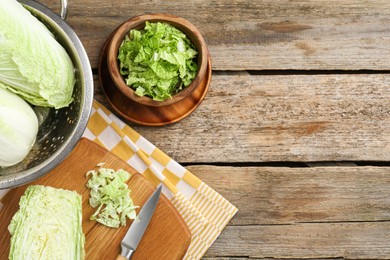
{"x": 137, "y": 229}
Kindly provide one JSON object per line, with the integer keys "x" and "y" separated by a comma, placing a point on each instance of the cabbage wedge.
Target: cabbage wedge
{"x": 47, "y": 225}
{"x": 32, "y": 63}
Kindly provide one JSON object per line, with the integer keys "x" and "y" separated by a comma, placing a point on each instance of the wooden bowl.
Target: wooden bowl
{"x": 138, "y": 23}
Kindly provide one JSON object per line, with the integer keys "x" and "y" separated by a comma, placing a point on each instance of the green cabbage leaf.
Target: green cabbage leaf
{"x": 47, "y": 225}
{"x": 157, "y": 61}
{"x": 32, "y": 63}
{"x": 110, "y": 194}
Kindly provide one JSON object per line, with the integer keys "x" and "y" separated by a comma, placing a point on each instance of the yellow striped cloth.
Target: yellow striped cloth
{"x": 204, "y": 210}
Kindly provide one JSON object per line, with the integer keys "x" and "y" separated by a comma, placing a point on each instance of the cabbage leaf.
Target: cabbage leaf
{"x": 111, "y": 195}
{"x": 47, "y": 225}
{"x": 157, "y": 61}
{"x": 32, "y": 63}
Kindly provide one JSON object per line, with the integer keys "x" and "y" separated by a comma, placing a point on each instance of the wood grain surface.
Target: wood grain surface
{"x": 307, "y": 240}
{"x": 263, "y": 34}
{"x": 322, "y": 212}
{"x": 283, "y": 195}
{"x": 263, "y": 118}
{"x": 160, "y": 240}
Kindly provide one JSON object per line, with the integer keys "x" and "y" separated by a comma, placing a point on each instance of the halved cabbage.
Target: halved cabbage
{"x": 47, "y": 225}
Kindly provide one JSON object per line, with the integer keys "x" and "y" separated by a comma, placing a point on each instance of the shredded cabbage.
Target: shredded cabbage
{"x": 157, "y": 61}
{"x": 32, "y": 63}
{"x": 111, "y": 195}
{"x": 47, "y": 225}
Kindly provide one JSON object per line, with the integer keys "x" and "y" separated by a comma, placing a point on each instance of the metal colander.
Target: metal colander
{"x": 59, "y": 130}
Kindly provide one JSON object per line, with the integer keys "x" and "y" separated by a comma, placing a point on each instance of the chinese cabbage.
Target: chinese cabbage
{"x": 111, "y": 195}
{"x": 47, "y": 225}
{"x": 32, "y": 63}
{"x": 18, "y": 128}
{"x": 157, "y": 61}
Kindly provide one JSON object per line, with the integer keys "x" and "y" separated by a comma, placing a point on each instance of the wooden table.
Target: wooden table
{"x": 295, "y": 128}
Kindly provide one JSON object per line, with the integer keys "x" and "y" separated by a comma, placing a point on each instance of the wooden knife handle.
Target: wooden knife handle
{"x": 125, "y": 251}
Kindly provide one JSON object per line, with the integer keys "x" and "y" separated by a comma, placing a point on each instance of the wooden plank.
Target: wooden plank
{"x": 254, "y": 35}
{"x": 262, "y": 258}
{"x": 281, "y": 195}
{"x": 262, "y": 118}
{"x": 315, "y": 240}
{"x": 331, "y": 164}
{"x": 232, "y": 258}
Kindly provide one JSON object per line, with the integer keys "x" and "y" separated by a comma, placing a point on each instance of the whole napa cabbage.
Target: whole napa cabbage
{"x": 18, "y": 128}
{"x": 32, "y": 63}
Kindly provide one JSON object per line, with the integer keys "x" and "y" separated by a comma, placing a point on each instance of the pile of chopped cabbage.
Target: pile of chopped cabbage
{"x": 157, "y": 61}
{"x": 47, "y": 225}
{"x": 111, "y": 195}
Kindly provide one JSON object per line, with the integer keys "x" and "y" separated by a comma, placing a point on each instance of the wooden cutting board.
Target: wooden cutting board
{"x": 167, "y": 236}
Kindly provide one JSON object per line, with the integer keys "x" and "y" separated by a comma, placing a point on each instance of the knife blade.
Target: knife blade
{"x": 137, "y": 229}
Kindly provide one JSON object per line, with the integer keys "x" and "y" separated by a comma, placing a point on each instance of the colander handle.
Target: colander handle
{"x": 64, "y": 9}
